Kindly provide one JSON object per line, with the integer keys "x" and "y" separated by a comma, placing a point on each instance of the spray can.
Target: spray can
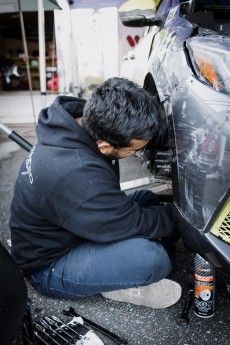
{"x": 204, "y": 299}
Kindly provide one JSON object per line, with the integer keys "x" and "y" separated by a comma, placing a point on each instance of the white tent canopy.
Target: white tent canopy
{"x": 74, "y": 4}
{"x": 9, "y": 6}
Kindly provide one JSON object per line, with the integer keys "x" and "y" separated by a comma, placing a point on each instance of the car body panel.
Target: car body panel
{"x": 198, "y": 117}
{"x": 135, "y": 63}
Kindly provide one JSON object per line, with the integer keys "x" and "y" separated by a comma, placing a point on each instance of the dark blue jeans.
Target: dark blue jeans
{"x": 90, "y": 268}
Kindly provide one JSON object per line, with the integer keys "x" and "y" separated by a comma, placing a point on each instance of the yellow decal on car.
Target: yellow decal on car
{"x": 221, "y": 227}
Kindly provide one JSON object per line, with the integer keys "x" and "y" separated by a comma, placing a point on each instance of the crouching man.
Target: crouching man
{"x": 74, "y": 232}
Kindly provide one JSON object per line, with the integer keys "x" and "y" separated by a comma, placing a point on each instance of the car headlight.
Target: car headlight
{"x": 210, "y": 57}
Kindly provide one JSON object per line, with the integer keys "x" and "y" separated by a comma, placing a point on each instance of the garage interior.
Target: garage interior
{"x": 12, "y": 52}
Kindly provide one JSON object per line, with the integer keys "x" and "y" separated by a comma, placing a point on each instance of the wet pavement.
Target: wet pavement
{"x": 139, "y": 325}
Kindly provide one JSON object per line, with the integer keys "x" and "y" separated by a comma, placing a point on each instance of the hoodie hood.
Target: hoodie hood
{"x": 57, "y": 125}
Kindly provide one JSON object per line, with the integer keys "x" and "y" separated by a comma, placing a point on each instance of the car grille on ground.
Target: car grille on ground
{"x": 221, "y": 227}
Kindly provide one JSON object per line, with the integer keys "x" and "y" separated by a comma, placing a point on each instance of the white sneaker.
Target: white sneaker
{"x": 162, "y": 294}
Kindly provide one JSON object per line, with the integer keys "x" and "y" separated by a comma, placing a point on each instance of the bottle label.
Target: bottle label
{"x": 204, "y": 297}
{"x": 204, "y": 301}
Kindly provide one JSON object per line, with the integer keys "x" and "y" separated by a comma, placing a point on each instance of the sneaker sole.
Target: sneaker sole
{"x": 162, "y": 294}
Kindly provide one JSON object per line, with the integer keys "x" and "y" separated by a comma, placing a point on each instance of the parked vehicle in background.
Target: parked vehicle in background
{"x": 184, "y": 60}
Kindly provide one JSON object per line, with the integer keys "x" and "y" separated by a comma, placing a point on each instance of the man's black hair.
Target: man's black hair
{"x": 119, "y": 111}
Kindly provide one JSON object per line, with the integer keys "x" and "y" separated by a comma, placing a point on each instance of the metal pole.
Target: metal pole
{"x": 26, "y": 57}
{"x": 42, "y": 51}
{"x": 75, "y": 79}
{"x": 26, "y": 145}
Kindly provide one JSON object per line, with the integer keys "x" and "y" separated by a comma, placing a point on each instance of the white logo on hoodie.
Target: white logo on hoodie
{"x": 28, "y": 165}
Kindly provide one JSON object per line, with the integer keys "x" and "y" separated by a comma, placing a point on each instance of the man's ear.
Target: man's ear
{"x": 104, "y": 147}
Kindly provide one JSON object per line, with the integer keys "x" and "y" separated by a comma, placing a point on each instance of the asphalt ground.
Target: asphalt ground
{"x": 139, "y": 325}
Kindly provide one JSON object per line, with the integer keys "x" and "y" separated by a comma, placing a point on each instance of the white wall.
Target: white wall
{"x": 91, "y": 44}
{"x": 63, "y": 49}
{"x": 95, "y": 41}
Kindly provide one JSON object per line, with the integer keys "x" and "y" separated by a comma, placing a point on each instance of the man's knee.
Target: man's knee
{"x": 152, "y": 261}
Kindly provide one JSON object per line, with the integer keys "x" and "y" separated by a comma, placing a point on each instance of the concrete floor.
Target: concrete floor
{"x": 139, "y": 325}
{"x": 20, "y": 107}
